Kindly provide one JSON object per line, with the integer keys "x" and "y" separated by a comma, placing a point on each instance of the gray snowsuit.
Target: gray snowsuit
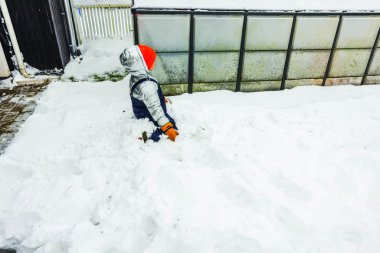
{"x": 146, "y": 95}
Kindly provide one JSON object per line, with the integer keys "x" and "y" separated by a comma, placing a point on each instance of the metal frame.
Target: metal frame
{"x": 71, "y": 24}
{"x": 288, "y": 53}
{"x": 332, "y": 51}
{"x": 242, "y": 52}
{"x": 135, "y": 27}
{"x": 252, "y": 12}
{"x": 190, "y": 73}
{"x": 245, "y": 14}
{"x": 263, "y": 50}
{"x": 371, "y": 58}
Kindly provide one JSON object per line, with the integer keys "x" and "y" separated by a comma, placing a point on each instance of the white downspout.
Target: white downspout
{"x": 4, "y": 69}
{"x": 13, "y": 38}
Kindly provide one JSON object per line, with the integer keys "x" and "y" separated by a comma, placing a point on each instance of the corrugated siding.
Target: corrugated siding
{"x": 103, "y": 22}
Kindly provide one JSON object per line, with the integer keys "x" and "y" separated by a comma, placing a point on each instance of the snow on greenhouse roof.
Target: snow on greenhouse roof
{"x": 265, "y": 5}
{"x": 248, "y": 4}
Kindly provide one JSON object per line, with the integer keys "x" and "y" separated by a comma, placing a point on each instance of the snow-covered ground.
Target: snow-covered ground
{"x": 288, "y": 171}
{"x": 249, "y": 4}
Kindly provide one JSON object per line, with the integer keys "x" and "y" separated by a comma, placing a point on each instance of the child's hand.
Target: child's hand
{"x": 169, "y": 130}
{"x": 167, "y": 100}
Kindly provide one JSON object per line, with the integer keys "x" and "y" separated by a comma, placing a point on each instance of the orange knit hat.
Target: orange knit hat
{"x": 149, "y": 55}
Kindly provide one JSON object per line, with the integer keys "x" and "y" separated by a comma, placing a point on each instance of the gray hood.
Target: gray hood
{"x": 133, "y": 61}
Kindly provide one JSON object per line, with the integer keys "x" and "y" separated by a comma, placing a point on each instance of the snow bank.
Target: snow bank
{"x": 98, "y": 57}
{"x": 290, "y": 171}
{"x": 265, "y": 5}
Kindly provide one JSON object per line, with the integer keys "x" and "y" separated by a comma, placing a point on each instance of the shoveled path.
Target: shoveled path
{"x": 16, "y": 104}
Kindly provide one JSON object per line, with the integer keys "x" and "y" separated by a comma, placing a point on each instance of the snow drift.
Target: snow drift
{"x": 287, "y": 171}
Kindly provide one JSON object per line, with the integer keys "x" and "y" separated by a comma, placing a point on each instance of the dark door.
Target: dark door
{"x": 41, "y": 32}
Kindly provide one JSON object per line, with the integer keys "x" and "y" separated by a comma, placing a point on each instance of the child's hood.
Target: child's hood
{"x": 133, "y": 61}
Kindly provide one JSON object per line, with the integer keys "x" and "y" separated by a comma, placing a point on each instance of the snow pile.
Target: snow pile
{"x": 7, "y": 83}
{"x": 290, "y": 171}
{"x": 98, "y": 57}
{"x": 265, "y": 5}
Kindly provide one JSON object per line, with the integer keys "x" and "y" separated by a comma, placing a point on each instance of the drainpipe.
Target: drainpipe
{"x": 4, "y": 69}
{"x": 13, "y": 38}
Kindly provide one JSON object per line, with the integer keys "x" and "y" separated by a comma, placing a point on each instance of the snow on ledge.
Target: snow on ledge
{"x": 263, "y": 5}
{"x": 101, "y": 2}
{"x": 245, "y": 4}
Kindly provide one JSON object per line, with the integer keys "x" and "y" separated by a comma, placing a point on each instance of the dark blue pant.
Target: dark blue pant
{"x": 140, "y": 110}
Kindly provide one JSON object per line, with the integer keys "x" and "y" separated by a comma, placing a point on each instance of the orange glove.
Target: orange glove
{"x": 169, "y": 130}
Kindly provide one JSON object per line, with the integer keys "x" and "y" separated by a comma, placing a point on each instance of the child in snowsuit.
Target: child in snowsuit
{"x": 145, "y": 92}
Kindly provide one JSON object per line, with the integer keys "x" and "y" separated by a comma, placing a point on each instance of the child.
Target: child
{"x": 146, "y": 94}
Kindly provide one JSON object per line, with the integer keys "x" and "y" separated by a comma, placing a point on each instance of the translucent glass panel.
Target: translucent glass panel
{"x": 315, "y": 32}
{"x": 168, "y": 33}
{"x": 375, "y": 67}
{"x": 263, "y": 66}
{"x": 171, "y": 68}
{"x": 358, "y": 32}
{"x": 268, "y": 33}
{"x": 218, "y": 33}
{"x": 349, "y": 62}
{"x": 308, "y": 64}
{"x": 215, "y": 67}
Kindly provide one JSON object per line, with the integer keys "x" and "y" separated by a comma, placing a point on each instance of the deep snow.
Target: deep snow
{"x": 287, "y": 171}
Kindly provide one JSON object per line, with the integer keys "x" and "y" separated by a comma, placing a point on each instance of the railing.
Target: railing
{"x": 103, "y": 21}
{"x": 255, "y": 50}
